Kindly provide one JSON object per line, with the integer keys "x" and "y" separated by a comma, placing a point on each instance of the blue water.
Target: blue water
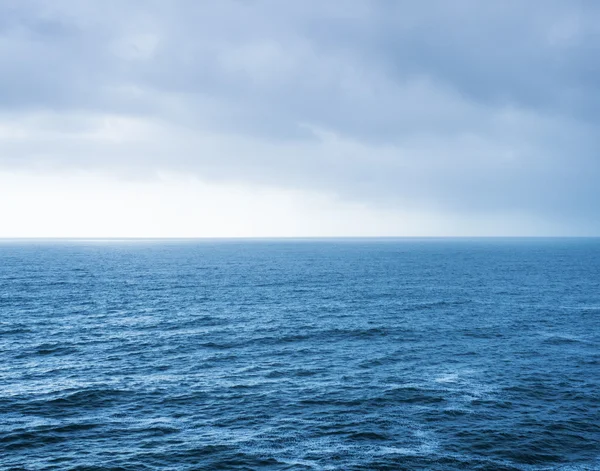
{"x": 316, "y": 355}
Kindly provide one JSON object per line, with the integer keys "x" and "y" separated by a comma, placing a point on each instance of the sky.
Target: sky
{"x": 270, "y": 118}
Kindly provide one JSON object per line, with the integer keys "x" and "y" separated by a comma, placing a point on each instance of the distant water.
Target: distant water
{"x": 300, "y": 355}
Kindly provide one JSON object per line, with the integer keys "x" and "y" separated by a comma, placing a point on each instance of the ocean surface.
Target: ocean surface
{"x": 450, "y": 354}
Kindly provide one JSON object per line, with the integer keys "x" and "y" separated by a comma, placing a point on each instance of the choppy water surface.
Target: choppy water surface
{"x": 316, "y": 355}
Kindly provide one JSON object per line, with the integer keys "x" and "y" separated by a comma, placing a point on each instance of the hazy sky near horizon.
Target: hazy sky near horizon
{"x": 189, "y": 118}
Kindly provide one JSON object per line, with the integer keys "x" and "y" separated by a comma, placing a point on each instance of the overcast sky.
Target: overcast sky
{"x": 191, "y": 118}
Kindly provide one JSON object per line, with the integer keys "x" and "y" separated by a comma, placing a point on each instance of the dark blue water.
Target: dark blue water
{"x": 316, "y": 355}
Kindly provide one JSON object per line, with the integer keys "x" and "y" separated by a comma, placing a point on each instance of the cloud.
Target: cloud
{"x": 466, "y": 107}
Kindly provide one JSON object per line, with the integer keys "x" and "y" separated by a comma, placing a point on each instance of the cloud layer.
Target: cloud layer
{"x": 464, "y": 107}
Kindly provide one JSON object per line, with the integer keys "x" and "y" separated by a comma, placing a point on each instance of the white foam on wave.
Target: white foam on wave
{"x": 303, "y": 449}
{"x": 461, "y": 387}
{"x": 447, "y": 378}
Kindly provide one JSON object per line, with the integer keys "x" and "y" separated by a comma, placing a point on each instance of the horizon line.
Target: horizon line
{"x": 212, "y": 238}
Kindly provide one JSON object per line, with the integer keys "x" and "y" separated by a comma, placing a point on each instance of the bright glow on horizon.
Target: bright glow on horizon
{"x": 88, "y": 205}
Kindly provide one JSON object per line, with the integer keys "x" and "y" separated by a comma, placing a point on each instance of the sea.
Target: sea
{"x": 300, "y": 354}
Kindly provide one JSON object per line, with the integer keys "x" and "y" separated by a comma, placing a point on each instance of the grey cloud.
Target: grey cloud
{"x": 466, "y": 106}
